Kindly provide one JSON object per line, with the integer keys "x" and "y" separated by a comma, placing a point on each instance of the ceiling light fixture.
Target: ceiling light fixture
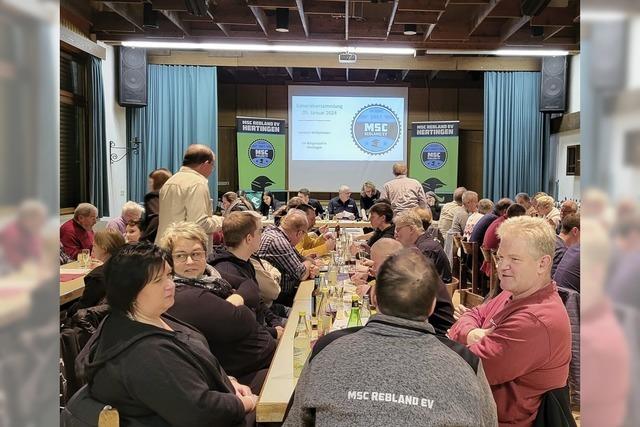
{"x": 410, "y": 30}
{"x": 500, "y": 52}
{"x": 282, "y": 20}
{"x": 270, "y": 47}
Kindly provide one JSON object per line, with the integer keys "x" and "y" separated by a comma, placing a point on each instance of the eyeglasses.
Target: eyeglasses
{"x": 195, "y": 256}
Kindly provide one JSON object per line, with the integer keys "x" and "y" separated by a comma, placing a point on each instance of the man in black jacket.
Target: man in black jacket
{"x": 242, "y": 231}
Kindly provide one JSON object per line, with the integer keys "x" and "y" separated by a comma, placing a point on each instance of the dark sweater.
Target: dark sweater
{"x": 158, "y": 377}
{"x": 379, "y": 234}
{"x": 238, "y": 341}
{"x": 93, "y": 293}
{"x": 151, "y": 210}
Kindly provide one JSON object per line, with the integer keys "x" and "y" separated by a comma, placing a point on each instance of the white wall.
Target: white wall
{"x": 568, "y": 186}
{"x": 574, "y": 84}
{"x": 115, "y": 124}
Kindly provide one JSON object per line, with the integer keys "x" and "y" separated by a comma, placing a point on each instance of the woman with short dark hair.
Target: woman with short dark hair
{"x": 153, "y": 368}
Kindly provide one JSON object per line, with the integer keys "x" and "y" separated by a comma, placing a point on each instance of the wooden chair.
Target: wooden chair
{"x": 109, "y": 417}
{"x": 471, "y": 250}
{"x": 457, "y": 267}
{"x": 453, "y": 286}
{"x": 469, "y": 299}
{"x": 490, "y": 258}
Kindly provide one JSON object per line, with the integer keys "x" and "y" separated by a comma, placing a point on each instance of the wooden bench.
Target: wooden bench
{"x": 490, "y": 258}
{"x": 469, "y": 299}
{"x": 471, "y": 250}
{"x": 453, "y": 286}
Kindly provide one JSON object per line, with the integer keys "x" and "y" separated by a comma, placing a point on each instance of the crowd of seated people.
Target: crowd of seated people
{"x": 212, "y": 315}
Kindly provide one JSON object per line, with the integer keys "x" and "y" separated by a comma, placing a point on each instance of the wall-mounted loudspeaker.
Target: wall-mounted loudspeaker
{"x": 553, "y": 84}
{"x": 132, "y": 77}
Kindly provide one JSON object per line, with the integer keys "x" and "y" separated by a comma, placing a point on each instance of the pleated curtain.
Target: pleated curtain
{"x": 98, "y": 187}
{"x": 182, "y": 109}
{"x": 514, "y": 149}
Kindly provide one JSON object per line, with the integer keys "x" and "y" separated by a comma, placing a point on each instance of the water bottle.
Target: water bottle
{"x": 301, "y": 344}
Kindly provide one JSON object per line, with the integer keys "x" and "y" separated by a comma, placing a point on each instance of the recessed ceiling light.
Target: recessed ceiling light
{"x": 410, "y": 30}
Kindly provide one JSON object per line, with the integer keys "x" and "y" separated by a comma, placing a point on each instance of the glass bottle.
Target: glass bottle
{"x": 354, "y": 316}
{"x": 365, "y": 312}
{"x": 301, "y": 344}
{"x": 324, "y": 314}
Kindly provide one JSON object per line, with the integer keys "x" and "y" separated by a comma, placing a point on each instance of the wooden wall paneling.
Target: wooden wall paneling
{"x": 251, "y": 100}
{"x": 470, "y": 160}
{"x": 277, "y": 102}
{"x": 471, "y": 109}
{"x": 227, "y": 105}
{"x": 443, "y": 104}
{"x": 227, "y": 162}
{"x": 418, "y": 105}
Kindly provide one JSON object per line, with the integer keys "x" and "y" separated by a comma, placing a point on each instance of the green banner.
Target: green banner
{"x": 261, "y": 154}
{"x": 433, "y": 159}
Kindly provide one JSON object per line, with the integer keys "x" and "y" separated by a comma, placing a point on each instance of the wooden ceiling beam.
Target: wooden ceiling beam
{"x": 303, "y": 18}
{"x": 392, "y": 17}
{"x": 323, "y": 8}
{"x": 511, "y": 27}
{"x": 428, "y": 32}
{"x": 422, "y": 6}
{"x": 416, "y": 17}
{"x": 554, "y": 16}
{"x": 175, "y": 5}
{"x": 177, "y": 21}
{"x": 130, "y": 12}
{"x": 506, "y": 9}
{"x": 480, "y": 16}
{"x": 224, "y": 29}
{"x": 551, "y": 31}
{"x": 261, "y": 17}
{"x": 111, "y": 21}
{"x": 272, "y": 4}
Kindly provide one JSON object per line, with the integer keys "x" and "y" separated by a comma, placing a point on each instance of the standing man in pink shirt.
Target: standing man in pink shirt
{"x": 523, "y": 335}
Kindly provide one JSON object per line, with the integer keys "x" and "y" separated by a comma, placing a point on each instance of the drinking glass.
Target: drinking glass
{"x": 84, "y": 258}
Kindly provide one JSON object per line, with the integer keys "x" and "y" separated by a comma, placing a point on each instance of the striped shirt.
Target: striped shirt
{"x": 276, "y": 248}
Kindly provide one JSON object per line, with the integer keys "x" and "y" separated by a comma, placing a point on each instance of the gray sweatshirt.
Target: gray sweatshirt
{"x": 392, "y": 372}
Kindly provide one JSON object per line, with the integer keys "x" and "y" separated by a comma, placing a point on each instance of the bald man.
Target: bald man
{"x": 441, "y": 318}
{"x": 185, "y": 196}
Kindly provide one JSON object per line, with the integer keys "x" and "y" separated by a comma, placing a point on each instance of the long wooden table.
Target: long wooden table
{"x": 331, "y": 223}
{"x": 280, "y": 382}
{"x": 72, "y": 289}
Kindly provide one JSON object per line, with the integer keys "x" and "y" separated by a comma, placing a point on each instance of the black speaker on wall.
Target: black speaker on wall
{"x": 553, "y": 85}
{"x": 132, "y": 77}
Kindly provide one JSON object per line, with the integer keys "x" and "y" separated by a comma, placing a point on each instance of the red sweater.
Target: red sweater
{"x": 527, "y": 353}
{"x": 74, "y": 238}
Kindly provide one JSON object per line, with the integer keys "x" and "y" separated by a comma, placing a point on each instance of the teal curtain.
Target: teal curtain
{"x": 513, "y": 134}
{"x": 99, "y": 189}
{"x": 182, "y": 109}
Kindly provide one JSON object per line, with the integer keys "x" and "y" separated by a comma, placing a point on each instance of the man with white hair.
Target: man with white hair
{"x": 277, "y": 246}
{"x": 131, "y": 212}
{"x": 523, "y": 335}
{"x": 460, "y": 217}
{"x": 343, "y": 206}
{"x": 403, "y": 192}
{"x": 77, "y": 233}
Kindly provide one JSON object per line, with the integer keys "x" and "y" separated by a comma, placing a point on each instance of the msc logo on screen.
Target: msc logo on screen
{"x": 261, "y": 153}
{"x": 434, "y": 155}
{"x": 375, "y": 129}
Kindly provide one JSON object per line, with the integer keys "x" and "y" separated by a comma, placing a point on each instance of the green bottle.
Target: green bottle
{"x": 354, "y": 316}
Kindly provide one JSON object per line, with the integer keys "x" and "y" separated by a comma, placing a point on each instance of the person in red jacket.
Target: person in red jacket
{"x": 77, "y": 233}
{"x": 523, "y": 335}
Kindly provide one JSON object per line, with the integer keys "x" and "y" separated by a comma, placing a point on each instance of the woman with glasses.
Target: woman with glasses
{"x": 153, "y": 368}
{"x": 207, "y": 301}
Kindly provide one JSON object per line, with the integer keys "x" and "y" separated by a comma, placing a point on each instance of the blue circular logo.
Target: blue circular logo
{"x": 375, "y": 129}
{"x": 434, "y": 155}
{"x": 261, "y": 153}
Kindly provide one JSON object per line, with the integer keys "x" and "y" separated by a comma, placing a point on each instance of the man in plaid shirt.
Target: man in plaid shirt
{"x": 278, "y": 247}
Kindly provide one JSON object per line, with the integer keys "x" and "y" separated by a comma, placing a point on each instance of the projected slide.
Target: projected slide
{"x": 347, "y": 128}
{"x": 345, "y": 135}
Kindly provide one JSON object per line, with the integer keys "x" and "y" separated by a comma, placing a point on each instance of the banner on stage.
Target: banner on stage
{"x": 433, "y": 157}
{"x": 261, "y": 154}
